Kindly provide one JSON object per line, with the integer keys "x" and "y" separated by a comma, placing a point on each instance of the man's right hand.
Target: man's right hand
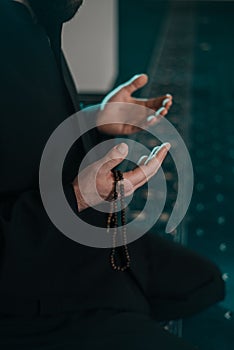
{"x": 94, "y": 184}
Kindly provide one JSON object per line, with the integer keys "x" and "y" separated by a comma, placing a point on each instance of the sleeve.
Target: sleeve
{"x": 180, "y": 282}
{"x": 32, "y": 105}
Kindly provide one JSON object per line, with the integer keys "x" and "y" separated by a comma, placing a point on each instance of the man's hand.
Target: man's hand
{"x": 95, "y": 183}
{"x": 137, "y": 116}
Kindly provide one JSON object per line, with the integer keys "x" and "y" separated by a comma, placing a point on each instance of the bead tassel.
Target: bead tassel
{"x": 112, "y": 222}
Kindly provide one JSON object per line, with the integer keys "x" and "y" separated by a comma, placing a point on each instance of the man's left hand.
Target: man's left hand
{"x": 131, "y": 121}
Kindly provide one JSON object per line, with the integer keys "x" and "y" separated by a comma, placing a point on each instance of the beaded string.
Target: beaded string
{"x": 112, "y": 222}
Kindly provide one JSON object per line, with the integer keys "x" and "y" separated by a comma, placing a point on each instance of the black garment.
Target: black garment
{"x": 94, "y": 330}
{"x": 43, "y": 273}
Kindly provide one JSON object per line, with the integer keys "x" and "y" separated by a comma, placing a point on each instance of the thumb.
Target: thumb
{"x": 115, "y": 156}
{"x": 135, "y": 83}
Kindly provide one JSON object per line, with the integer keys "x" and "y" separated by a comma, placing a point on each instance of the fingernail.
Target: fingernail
{"x": 159, "y": 111}
{"x": 165, "y": 101}
{"x": 167, "y": 145}
{"x": 164, "y": 145}
{"x": 122, "y": 148}
{"x": 150, "y": 118}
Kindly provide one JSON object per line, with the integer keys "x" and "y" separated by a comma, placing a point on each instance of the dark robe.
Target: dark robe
{"x": 42, "y": 272}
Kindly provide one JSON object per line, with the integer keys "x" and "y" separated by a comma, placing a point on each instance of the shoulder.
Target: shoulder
{"x": 14, "y": 15}
{"x": 18, "y": 32}
{"x": 24, "y": 44}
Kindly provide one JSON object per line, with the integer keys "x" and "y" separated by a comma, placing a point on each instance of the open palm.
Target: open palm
{"x": 125, "y": 116}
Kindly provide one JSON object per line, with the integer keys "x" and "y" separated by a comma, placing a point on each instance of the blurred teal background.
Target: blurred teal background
{"x": 187, "y": 49}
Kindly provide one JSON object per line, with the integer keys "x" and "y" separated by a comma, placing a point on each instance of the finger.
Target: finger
{"x": 114, "y": 157}
{"x": 155, "y": 161}
{"x": 148, "y": 122}
{"x": 167, "y": 103}
{"x": 161, "y": 112}
{"x": 139, "y": 176}
{"x": 152, "y": 155}
{"x": 157, "y": 158}
{"x": 161, "y": 105}
{"x": 158, "y": 102}
{"x": 135, "y": 83}
{"x": 169, "y": 95}
{"x": 142, "y": 160}
{"x": 152, "y": 120}
{"x": 154, "y": 164}
{"x": 145, "y": 159}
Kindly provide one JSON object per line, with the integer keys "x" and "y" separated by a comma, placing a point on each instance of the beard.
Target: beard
{"x": 60, "y": 11}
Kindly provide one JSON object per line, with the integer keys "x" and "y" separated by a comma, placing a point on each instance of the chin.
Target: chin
{"x": 57, "y": 10}
{"x": 71, "y": 9}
